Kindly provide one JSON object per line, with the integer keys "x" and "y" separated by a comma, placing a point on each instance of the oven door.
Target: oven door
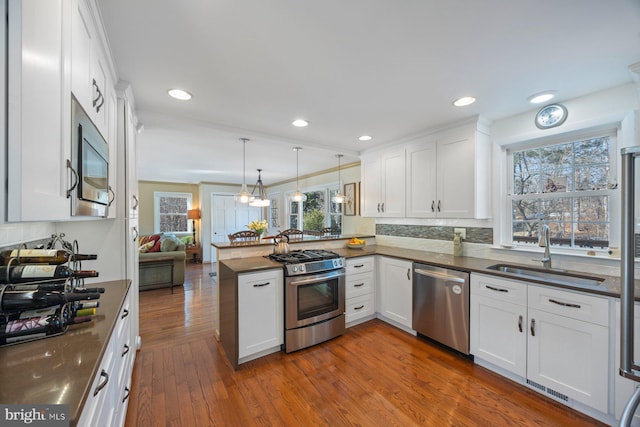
{"x": 314, "y": 298}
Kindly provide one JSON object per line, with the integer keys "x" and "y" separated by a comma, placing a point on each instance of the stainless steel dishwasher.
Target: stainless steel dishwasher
{"x": 441, "y": 305}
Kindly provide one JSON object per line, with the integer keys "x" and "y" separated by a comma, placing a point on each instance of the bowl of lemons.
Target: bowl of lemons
{"x": 355, "y": 243}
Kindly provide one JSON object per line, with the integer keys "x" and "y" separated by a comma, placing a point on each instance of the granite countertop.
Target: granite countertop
{"x": 269, "y": 241}
{"x": 61, "y": 369}
{"x": 611, "y": 285}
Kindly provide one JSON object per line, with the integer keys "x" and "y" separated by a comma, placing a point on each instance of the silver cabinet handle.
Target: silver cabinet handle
{"x": 135, "y": 199}
{"x": 126, "y": 396}
{"x": 358, "y": 285}
{"x": 358, "y": 266}
{"x": 564, "y": 304}
{"x": 125, "y": 313}
{"x": 126, "y": 350}
{"x": 438, "y": 205}
{"x": 382, "y": 207}
{"x": 135, "y": 233}
{"x": 408, "y": 274}
{"x": 433, "y": 206}
{"x": 102, "y": 384}
{"x": 378, "y": 207}
{"x": 496, "y": 289}
{"x": 533, "y": 327}
{"x": 360, "y": 307}
{"x": 259, "y": 285}
{"x": 520, "y": 323}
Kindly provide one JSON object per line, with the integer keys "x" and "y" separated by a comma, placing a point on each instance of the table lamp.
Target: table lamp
{"x": 193, "y": 214}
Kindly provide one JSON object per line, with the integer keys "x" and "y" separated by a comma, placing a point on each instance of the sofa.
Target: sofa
{"x": 161, "y": 261}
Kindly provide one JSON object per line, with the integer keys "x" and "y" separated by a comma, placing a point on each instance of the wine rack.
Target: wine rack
{"x": 42, "y": 291}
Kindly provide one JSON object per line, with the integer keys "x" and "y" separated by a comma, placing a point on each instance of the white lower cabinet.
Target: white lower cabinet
{"x": 395, "y": 290}
{"x": 555, "y": 339}
{"x": 106, "y": 404}
{"x": 360, "y": 289}
{"x": 260, "y": 312}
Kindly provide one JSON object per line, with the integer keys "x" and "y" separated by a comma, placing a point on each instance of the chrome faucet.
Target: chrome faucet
{"x": 545, "y": 241}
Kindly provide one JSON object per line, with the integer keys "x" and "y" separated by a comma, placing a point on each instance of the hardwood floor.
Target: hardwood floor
{"x": 374, "y": 375}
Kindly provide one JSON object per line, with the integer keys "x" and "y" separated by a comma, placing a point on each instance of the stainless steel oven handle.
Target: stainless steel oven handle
{"x": 311, "y": 279}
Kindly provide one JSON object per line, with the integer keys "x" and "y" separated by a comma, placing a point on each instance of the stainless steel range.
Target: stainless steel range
{"x": 313, "y": 297}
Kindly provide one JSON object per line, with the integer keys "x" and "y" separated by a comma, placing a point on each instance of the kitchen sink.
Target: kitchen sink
{"x": 560, "y": 277}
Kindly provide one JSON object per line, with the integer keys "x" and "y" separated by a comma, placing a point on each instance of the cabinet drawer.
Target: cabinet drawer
{"x": 359, "y": 284}
{"x": 497, "y": 288}
{"x": 359, "y": 307}
{"x": 569, "y": 304}
{"x": 359, "y": 265}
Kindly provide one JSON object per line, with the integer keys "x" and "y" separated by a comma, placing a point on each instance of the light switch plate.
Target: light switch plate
{"x": 462, "y": 231}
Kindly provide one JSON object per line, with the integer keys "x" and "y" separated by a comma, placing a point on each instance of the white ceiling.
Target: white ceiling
{"x": 387, "y": 68}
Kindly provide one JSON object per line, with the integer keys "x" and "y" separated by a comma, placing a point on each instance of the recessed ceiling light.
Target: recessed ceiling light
{"x": 541, "y": 97}
{"x": 300, "y": 123}
{"x": 365, "y": 138}
{"x": 464, "y": 101}
{"x": 180, "y": 94}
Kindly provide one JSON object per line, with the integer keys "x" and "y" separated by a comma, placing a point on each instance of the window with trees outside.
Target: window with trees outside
{"x": 317, "y": 212}
{"x": 570, "y": 186}
{"x": 170, "y": 212}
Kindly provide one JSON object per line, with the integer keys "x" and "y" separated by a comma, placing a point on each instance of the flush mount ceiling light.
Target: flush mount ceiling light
{"x": 541, "y": 97}
{"x": 365, "y": 138}
{"x": 464, "y": 101}
{"x": 244, "y": 196}
{"x": 260, "y": 199}
{"x": 298, "y": 196}
{"x": 180, "y": 94}
{"x": 300, "y": 123}
{"x": 339, "y": 197}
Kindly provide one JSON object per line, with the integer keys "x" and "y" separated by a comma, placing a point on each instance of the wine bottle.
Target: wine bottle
{"x": 37, "y": 272}
{"x": 51, "y": 287}
{"x": 43, "y": 256}
{"x": 26, "y": 327}
{"x": 85, "y": 312}
{"x": 28, "y": 300}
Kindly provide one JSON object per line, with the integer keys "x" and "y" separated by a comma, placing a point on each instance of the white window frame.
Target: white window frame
{"x": 506, "y": 235}
{"x": 156, "y": 209}
{"x": 327, "y": 219}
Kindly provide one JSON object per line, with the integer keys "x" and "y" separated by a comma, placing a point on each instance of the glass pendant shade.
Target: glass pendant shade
{"x": 244, "y": 196}
{"x": 260, "y": 199}
{"x": 298, "y": 196}
{"x": 339, "y": 197}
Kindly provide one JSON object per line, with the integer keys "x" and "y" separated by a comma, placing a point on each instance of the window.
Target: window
{"x": 569, "y": 186}
{"x": 170, "y": 212}
{"x": 317, "y": 212}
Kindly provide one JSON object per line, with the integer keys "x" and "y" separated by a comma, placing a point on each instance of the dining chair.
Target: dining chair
{"x": 244, "y": 236}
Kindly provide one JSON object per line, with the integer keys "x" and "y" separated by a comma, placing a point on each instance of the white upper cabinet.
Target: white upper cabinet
{"x": 90, "y": 76}
{"x": 383, "y": 183}
{"x": 38, "y": 142}
{"x": 449, "y": 175}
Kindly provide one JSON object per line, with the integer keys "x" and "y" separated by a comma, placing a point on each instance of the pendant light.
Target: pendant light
{"x": 339, "y": 197}
{"x": 244, "y": 196}
{"x": 260, "y": 199}
{"x": 298, "y": 196}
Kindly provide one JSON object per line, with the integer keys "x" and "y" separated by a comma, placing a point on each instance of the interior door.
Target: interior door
{"x": 228, "y": 217}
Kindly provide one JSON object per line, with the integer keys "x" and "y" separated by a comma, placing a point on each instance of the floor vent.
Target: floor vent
{"x": 558, "y": 395}
{"x": 536, "y": 385}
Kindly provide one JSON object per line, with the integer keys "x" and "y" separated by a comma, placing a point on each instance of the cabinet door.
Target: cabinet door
{"x": 37, "y": 143}
{"x": 370, "y": 171}
{"x": 393, "y": 184}
{"x": 114, "y": 147}
{"x": 421, "y": 180}
{"x": 498, "y": 333}
{"x": 81, "y": 51}
{"x": 260, "y": 312}
{"x": 570, "y": 357}
{"x": 456, "y": 177}
{"x": 396, "y": 290}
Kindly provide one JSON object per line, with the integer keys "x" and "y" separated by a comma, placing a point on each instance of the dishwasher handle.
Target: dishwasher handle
{"x": 437, "y": 275}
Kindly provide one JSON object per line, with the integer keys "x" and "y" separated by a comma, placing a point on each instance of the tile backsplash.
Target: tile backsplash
{"x": 474, "y": 234}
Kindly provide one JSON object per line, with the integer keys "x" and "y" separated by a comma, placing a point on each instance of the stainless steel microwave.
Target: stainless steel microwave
{"x": 90, "y": 166}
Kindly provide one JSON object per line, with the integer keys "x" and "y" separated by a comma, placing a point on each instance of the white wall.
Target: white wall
{"x": 16, "y": 233}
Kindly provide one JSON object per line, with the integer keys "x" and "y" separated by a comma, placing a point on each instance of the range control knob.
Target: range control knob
{"x": 294, "y": 268}
{"x": 302, "y": 268}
